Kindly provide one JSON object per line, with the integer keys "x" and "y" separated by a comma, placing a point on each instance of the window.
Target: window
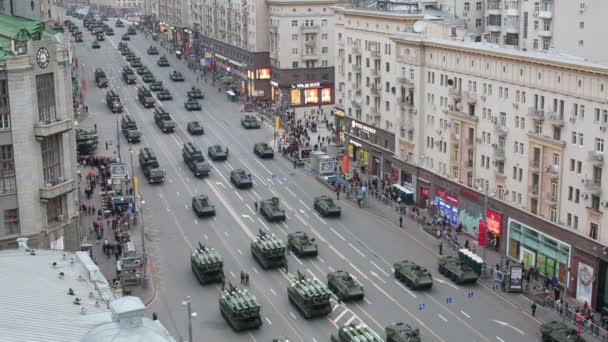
{"x": 467, "y": 6}
{"x": 575, "y": 222}
{"x": 324, "y": 22}
{"x": 536, "y": 25}
{"x": 599, "y": 145}
{"x": 570, "y": 193}
{"x": 569, "y": 219}
{"x": 55, "y": 209}
{"x": 477, "y": 22}
{"x": 5, "y": 110}
{"x": 51, "y": 159}
{"x": 7, "y": 168}
{"x": 324, "y": 49}
{"x": 546, "y": 44}
{"x": 574, "y": 136}
{"x": 294, "y": 23}
{"x": 294, "y": 37}
{"x": 572, "y": 165}
{"x": 577, "y": 195}
{"x": 581, "y": 25}
{"x": 478, "y": 6}
{"x": 294, "y": 51}
{"x": 388, "y": 68}
{"x": 580, "y": 139}
{"x": 579, "y": 167}
{"x": 553, "y": 214}
{"x": 535, "y": 44}
{"x": 294, "y": 65}
{"x": 11, "y": 223}
{"x": 324, "y": 36}
{"x": 45, "y": 90}
{"x": 593, "y": 231}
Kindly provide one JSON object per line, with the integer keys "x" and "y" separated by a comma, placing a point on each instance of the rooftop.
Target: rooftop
{"x": 19, "y": 30}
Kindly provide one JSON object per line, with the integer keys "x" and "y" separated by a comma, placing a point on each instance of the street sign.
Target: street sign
{"x": 470, "y": 294}
{"x": 420, "y": 307}
{"x": 448, "y": 300}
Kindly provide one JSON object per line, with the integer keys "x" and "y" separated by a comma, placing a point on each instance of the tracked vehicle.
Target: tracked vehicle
{"x": 268, "y": 250}
{"x": 207, "y": 265}
{"x": 400, "y": 332}
{"x": 309, "y": 296}
{"x": 412, "y": 275}
{"x": 240, "y": 309}
{"x": 457, "y": 270}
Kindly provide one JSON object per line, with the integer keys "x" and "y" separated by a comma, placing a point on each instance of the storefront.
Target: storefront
{"x": 310, "y": 94}
{"x": 470, "y": 210}
{"x": 493, "y": 228}
{"x": 305, "y": 87}
{"x": 446, "y": 206}
{"x": 368, "y": 146}
{"x": 357, "y": 153}
{"x": 551, "y": 257}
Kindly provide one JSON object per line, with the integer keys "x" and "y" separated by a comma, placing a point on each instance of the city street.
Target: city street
{"x": 362, "y": 244}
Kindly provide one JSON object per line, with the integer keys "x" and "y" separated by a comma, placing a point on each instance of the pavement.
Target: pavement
{"x": 361, "y": 242}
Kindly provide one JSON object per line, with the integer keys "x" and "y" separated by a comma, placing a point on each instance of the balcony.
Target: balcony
{"x": 594, "y": 186}
{"x": 464, "y": 116}
{"x": 536, "y": 114}
{"x": 455, "y": 93}
{"x": 556, "y": 119}
{"x": 375, "y": 112}
{"x": 500, "y": 130}
{"x": 511, "y": 28}
{"x": 46, "y": 129}
{"x": 311, "y": 55}
{"x": 357, "y": 67}
{"x": 551, "y": 198}
{"x": 374, "y": 71}
{"x": 375, "y": 54}
{"x": 356, "y": 86}
{"x": 356, "y": 104}
{"x": 311, "y": 29}
{"x": 405, "y": 81}
{"x": 545, "y": 11}
{"x": 375, "y": 90}
{"x": 468, "y": 164}
{"x": 499, "y": 154}
{"x": 493, "y": 8}
{"x": 553, "y": 171}
{"x": 56, "y": 188}
{"x": 341, "y": 43}
{"x": 493, "y": 28}
{"x": 407, "y": 108}
{"x": 470, "y": 96}
{"x": 534, "y": 165}
{"x": 356, "y": 50}
{"x": 310, "y": 43}
{"x": 500, "y": 175}
{"x": 596, "y": 158}
{"x": 533, "y": 191}
{"x": 469, "y": 142}
{"x": 545, "y": 33}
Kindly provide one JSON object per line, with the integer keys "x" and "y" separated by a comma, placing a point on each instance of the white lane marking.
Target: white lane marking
{"x": 350, "y": 320}
{"x": 319, "y": 217}
{"x": 405, "y": 288}
{"x": 263, "y": 224}
{"x": 509, "y": 325}
{"x": 170, "y": 180}
{"x": 256, "y": 194}
{"x": 318, "y": 257}
{"x": 291, "y": 192}
{"x": 500, "y": 339}
{"x": 239, "y": 196}
{"x": 312, "y": 274}
{"x": 254, "y": 269}
{"x": 338, "y": 234}
{"x": 226, "y": 233}
{"x": 379, "y": 269}
{"x": 301, "y": 219}
{"x": 292, "y": 315}
{"x": 465, "y": 314}
{"x": 297, "y": 259}
{"x": 240, "y": 252}
{"x": 446, "y": 283}
{"x": 247, "y": 217}
{"x": 356, "y": 249}
{"x": 264, "y": 167}
{"x": 442, "y": 318}
{"x": 304, "y": 213}
{"x": 331, "y": 269}
{"x": 336, "y": 251}
{"x": 377, "y": 276}
{"x": 278, "y": 180}
{"x": 367, "y": 301}
{"x": 248, "y": 207}
{"x": 267, "y": 320}
{"x": 195, "y": 221}
{"x": 177, "y": 192}
{"x": 206, "y": 237}
{"x": 228, "y": 164}
{"x": 304, "y": 204}
{"x": 232, "y": 274}
{"x": 314, "y": 339}
{"x": 185, "y": 205}
{"x": 340, "y": 315}
{"x": 358, "y": 271}
{"x": 222, "y": 184}
{"x": 274, "y": 293}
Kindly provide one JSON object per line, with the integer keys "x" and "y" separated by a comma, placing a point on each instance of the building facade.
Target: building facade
{"x": 301, "y": 52}
{"x": 41, "y": 10}
{"x": 472, "y": 12}
{"x": 37, "y": 139}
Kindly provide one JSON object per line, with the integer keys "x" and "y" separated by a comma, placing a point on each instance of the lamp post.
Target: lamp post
{"x": 143, "y": 242}
{"x": 191, "y": 315}
{"x": 485, "y": 220}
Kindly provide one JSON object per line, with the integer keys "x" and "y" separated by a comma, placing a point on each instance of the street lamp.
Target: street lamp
{"x": 191, "y": 315}
{"x": 143, "y": 242}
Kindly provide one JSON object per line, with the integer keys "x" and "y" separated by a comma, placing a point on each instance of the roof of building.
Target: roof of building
{"x": 20, "y": 30}
{"x": 388, "y": 9}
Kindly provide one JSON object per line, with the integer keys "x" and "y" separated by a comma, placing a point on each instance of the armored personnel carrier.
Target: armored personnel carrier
{"x": 271, "y": 210}
{"x": 268, "y": 250}
{"x": 326, "y": 206}
{"x": 412, "y": 275}
{"x": 176, "y": 76}
{"x": 356, "y": 333}
{"x": 457, "y": 270}
{"x": 240, "y": 309}
{"x": 555, "y": 331}
{"x": 301, "y": 245}
{"x": 342, "y": 284}
{"x": 400, "y": 332}
{"x": 164, "y": 95}
{"x": 249, "y": 121}
{"x": 100, "y": 78}
{"x": 309, "y": 296}
{"x": 157, "y": 86}
{"x": 152, "y": 50}
{"x": 207, "y": 265}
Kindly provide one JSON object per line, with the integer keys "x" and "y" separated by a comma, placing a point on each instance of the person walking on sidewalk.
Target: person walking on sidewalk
{"x": 533, "y": 308}
{"x": 400, "y": 221}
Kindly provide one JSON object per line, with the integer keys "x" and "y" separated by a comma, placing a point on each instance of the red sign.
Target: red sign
{"x": 481, "y": 238}
{"x": 494, "y": 222}
{"x": 263, "y": 74}
{"x": 425, "y": 192}
{"x": 345, "y": 163}
{"x": 449, "y": 199}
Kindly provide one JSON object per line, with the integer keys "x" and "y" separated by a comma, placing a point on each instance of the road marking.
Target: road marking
{"x": 405, "y": 288}
{"x": 340, "y": 315}
{"x": 247, "y": 217}
{"x": 239, "y": 196}
{"x": 505, "y": 324}
{"x": 367, "y": 301}
{"x": 239, "y": 251}
{"x": 377, "y": 276}
{"x": 228, "y": 164}
{"x": 264, "y": 224}
{"x": 304, "y": 213}
{"x": 297, "y": 259}
{"x": 304, "y": 204}
{"x": 331, "y": 269}
{"x": 443, "y": 318}
{"x": 206, "y": 237}
{"x": 248, "y": 207}
{"x": 222, "y": 184}
{"x": 301, "y": 219}
{"x": 292, "y": 315}
{"x": 232, "y": 274}
{"x": 195, "y": 221}
{"x": 338, "y": 234}
{"x": 318, "y": 257}
{"x": 446, "y": 283}
{"x": 256, "y": 194}
{"x": 336, "y": 251}
{"x": 465, "y": 314}
{"x": 356, "y": 250}
{"x": 254, "y": 269}
{"x": 186, "y": 206}
{"x": 267, "y": 320}
{"x": 379, "y": 269}
{"x": 358, "y": 271}
{"x": 319, "y": 217}
{"x": 177, "y": 193}
{"x": 500, "y": 339}
{"x": 350, "y": 320}
{"x": 226, "y": 233}
{"x": 274, "y": 293}
{"x": 291, "y": 192}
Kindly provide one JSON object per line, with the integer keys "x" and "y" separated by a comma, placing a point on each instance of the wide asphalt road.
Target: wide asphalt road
{"x": 362, "y": 244}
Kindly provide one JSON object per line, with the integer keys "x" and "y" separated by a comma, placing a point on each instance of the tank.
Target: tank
{"x": 309, "y": 296}
{"x": 400, "y": 332}
{"x": 342, "y": 284}
{"x": 207, "y": 265}
{"x": 271, "y": 209}
{"x": 240, "y": 309}
{"x": 268, "y": 250}
{"x": 301, "y": 245}
{"x": 356, "y": 333}
{"x": 555, "y": 331}
{"x": 412, "y": 275}
{"x": 457, "y": 270}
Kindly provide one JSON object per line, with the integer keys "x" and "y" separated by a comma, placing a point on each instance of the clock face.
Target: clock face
{"x": 42, "y": 57}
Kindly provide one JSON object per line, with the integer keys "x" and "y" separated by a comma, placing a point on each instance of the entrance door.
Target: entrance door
{"x": 529, "y": 257}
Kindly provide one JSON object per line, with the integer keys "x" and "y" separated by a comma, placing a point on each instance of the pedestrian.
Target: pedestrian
{"x": 95, "y": 125}
{"x": 86, "y": 108}
{"x": 400, "y": 221}
{"x": 247, "y": 279}
{"x": 154, "y": 316}
{"x": 242, "y": 277}
{"x": 466, "y": 244}
{"x": 106, "y": 145}
{"x": 503, "y": 284}
{"x": 533, "y": 308}
{"x": 295, "y": 162}
{"x": 440, "y": 248}
{"x": 255, "y": 204}
{"x": 223, "y": 283}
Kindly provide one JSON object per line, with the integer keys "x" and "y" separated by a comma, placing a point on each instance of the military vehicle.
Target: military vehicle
{"x": 148, "y": 78}
{"x": 240, "y": 179}
{"x": 122, "y": 45}
{"x": 249, "y": 121}
{"x": 356, "y": 333}
{"x": 150, "y": 166}
{"x": 125, "y": 52}
{"x": 125, "y": 37}
{"x": 78, "y": 37}
{"x": 268, "y": 250}
{"x": 217, "y": 152}
{"x": 113, "y": 102}
{"x": 192, "y": 104}
{"x": 164, "y": 95}
{"x": 176, "y": 76}
{"x": 271, "y": 210}
{"x": 263, "y": 150}
{"x": 143, "y": 70}
{"x": 326, "y": 206}
{"x": 129, "y": 78}
{"x": 412, "y": 275}
{"x": 130, "y": 56}
{"x": 157, "y": 86}
{"x": 152, "y": 50}
{"x": 129, "y": 129}
{"x": 99, "y": 37}
{"x": 555, "y": 331}
{"x": 195, "y": 93}
{"x": 240, "y": 309}
{"x": 131, "y": 30}
{"x": 145, "y": 97}
{"x": 301, "y": 245}
{"x": 136, "y": 63}
{"x": 400, "y": 332}
{"x": 119, "y": 23}
{"x": 195, "y": 128}
{"x": 100, "y": 78}
{"x": 309, "y": 296}
{"x": 455, "y": 269}
{"x": 163, "y": 120}
{"x": 193, "y": 157}
{"x": 109, "y": 31}
{"x": 104, "y": 17}
{"x": 207, "y": 265}
{"x": 95, "y": 44}
{"x": 163, "y": 62}
{"x": 202, "y": 207}
{"x": 344, "y": 286}
{"x": 86, "y": 140}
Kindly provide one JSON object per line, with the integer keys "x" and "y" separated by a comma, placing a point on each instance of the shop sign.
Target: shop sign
{"x": 494, "y": 222}
{"x": 425, "y": 192}
{"x": 355, "y": 143}
{"x": 263, "y": 74}
{"x": 306, "y": 85}
{"x": 274, "y": 83}
{"x": 363, "y": 127}
{"x": 470, "y": 194}
{"x": 447, "y": 197}
{"x": 339, "y": 112}
{"x": 311, "y": 96}
{"x": 584, "y": 282}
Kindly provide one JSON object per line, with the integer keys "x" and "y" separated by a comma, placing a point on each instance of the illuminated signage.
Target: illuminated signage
{"x": 326, "y": 95}
{"x": 339, "y": 112}
{"x": 363, "y": 127}
{"x": 263, "y": 74}
{"x": 311, "y": 96}
{"x": 295, "y": 97}
{"x": 494, "y": 222}
{"x": 306, "y": 85}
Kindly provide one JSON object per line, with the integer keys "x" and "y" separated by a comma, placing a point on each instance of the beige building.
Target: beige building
{"x": 120, "y": 4}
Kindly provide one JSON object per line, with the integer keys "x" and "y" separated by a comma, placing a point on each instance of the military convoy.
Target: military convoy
{"x": 150, "y": 166}
{"x": 194, "y": 159}
{"x": 202, "y": 207}
{"x": 164, "y": 95}
{"x": 412, "y": 275}
{"x": 400, "y": 332}
{"x": 195, "y": 128}
{"x": 113, "y": 102}
{"x": 207, "y": 265}
{"x": 309, "y": 296}
{"x": 176, "y": 76}
{"x": 143, "y": 70}
{"x": 163, "y": 62}
{"x": 157, "y": 86}
{"x": 100, "y": 78}
{"x": 192, "y": 104}
{"x": 263, "y": 150}
{"x": 268, "y": 250}
{"x": 457, "y": 270}
{"x": 301, "y": 245}
{"x": 344, "y": 286}
{"x": 195, "y": 93}
{"x": 326, "y": 207}
{"x": 129, "y": 129}
{"x": 128, "y": 75}
{"x": 145, "y": 97}
{"x": 152, "y": 50}
{"x": 240, "y": 309}
{"x": 249, "y": 121}
{"x": 163, "y": 120}
{"x": 240, "y": 179}
{"x": 271, "y": 210}
{"x": 217, "y": 152}
{"x": 148, "y": 78}
{"x": 555, "y": 331}
{"x": 356, "y": 333}
{"x": 86, "y": 140}
{"x": 136, "y": 62}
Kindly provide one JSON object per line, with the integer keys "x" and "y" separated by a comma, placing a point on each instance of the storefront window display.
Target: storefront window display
{"x": 296, "y": 100}
{"x": 311, "y": 96}
{"x": 549, "y": 256}
{"x": 494, "y": 227}
{"x": 357, "y": 153}
{"x": 326, "y": 95}
{"x": 447, "y": 207}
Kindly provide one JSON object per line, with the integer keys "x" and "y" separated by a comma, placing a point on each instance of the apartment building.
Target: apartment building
{"x": 37, "y": 143}
{"x": 472, "y": 12}
{"x": 41, "y": 10}
{"x": 120, "y": 5}
{"x": 173, "y": 13}
{"x": 301, "y": 52}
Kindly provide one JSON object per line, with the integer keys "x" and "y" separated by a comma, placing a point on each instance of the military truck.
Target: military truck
{"x": 456, "y": 270}
{"x": 145, "y": 97}
{"x": 129, "y": 129}
{"x": 271, "y": 210}
{"x": 100, "y": 78}
{"x": 157, "y": 86}
{"x": 301, "y": 245}
{"x": 150, "y": 166}
{"x": 309, "y": 296}
{"x": 400, "y": 332}
{"x": 113, "y": 102}
{"x": 240, "y": 309}
{"x": 193, "y": 157}
{"x": 86, "y": 141}
{"x": 555, "y": 331}
{"x": 249, "y": 121}
{"x": 163, "y": 120}
{"x": 344, "y": 286}
{"x": 128, "y": 75}
{"x": 356, "y": 333}
{"x": 268, "y": 250}
{"x": 207, "y": 265}
{"x": 412, "y": 275}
